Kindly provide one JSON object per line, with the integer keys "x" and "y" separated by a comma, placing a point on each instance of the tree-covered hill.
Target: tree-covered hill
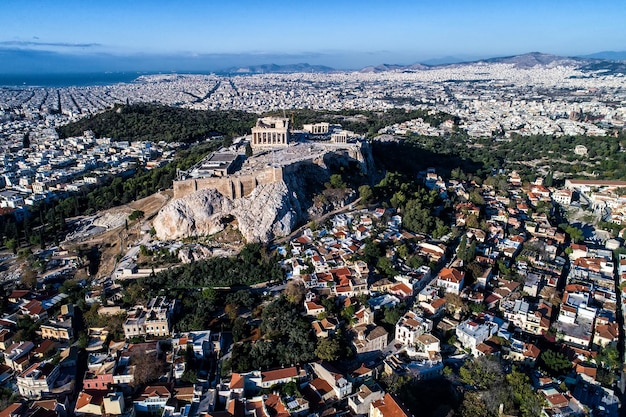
{"x": 529, "y": 155}
{"x": 362, "y": 121}
{"x": 154, "y": 122}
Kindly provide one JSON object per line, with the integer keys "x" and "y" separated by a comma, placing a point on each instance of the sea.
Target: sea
{"x": 58, "y": 80}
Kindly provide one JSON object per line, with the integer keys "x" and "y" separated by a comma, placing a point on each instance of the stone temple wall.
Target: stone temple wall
{"x": 233, "y": 186}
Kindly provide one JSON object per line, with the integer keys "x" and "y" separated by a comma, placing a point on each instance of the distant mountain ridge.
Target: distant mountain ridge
{"x": 18, "y": 62}
{"x": 392, "y": 67}
{"x": 528, "y": 60}
{"x": 610, "y": 55}
{"x": 532, "y": 59}
{"x": 280, "y": 69}
{"x": 523, "y": 61}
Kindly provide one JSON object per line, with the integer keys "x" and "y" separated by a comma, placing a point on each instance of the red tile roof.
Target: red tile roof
{"x": 557, "y": 400}
{"x": 236, "y": 381}
{"x": 438, "y": 303}
{"x": 11, "y": 409}
{"x": 34, "y": 307}
{"x": 403, "y": 289}
{"x": 278, "y": 374}
{"x": 389, "y": 407}
{"x": 451, "y": 275}
{"x": 321, "y": 386}
{"x": 275, "y": 406}
{"x": 85, "y": 398}
{"x": 362, "y": 370}
{"x": 160, "y": 391}
{"x": 591, "y": 371}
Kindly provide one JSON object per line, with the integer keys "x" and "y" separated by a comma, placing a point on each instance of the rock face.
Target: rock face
{"x": 271, "y": 210}
{"x": 197, "y": 214}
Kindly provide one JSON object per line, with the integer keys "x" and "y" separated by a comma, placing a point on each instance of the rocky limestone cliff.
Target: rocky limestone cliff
{"x": 271, "y": 210}
{"x": 197, "y": 214}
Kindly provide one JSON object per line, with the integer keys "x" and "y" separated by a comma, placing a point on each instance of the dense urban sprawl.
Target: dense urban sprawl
{"x": 433, "y": 294}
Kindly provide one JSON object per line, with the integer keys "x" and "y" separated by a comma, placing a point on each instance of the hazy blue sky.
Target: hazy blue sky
{"x": 346, "y": 33}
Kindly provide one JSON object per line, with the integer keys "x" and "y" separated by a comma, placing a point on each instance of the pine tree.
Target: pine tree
{"x": 461, "y": 251}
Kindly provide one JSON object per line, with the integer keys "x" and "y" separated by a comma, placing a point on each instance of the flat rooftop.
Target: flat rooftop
{"x": 216, "y": 163}
{"x": 224, "y": 157}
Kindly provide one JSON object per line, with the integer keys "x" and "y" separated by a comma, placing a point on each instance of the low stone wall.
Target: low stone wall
{"x": 233, "y": 186}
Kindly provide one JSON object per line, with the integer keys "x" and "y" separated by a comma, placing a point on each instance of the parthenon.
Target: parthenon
{"x": 270, "y": 132}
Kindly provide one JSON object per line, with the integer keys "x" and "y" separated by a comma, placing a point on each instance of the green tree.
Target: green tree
{"x": 136, "y": 214}
{"x": 472, "y": 221}
{"x": 481, "y": 373}
{"x": 474, "y": 406}
{"x": 26, "y": 141}
{"x": 337, "y": 182}
{"x": 398, "y": 199}
{"x": 328, "y": 348}
{"x": 608, "y": 357}
{"x": 143, "y": 250}
{"x": 291, "y": 389}
{"x": 403, "y": 251}
{"x": 11, "y": 244}
{"x": 7, "y": 397}
{"x": 415, "y": 261}
{"x": 241, "y": 329}
{"x": 575, "y": 234}
{"x": 26, "y": 329}
{"x": 371, "y": 251}
{"x": 555, "y": 362}
{"x": 347, "y": 313}
{"x": 330, "y": 304}
{"x": 525, "y": 399}
{"x": 457, "y": 173}
{"x": 73, "y": 290}
{"x": 190, "y": 376}
{"x": 385, "y": 266}
{"x": 461, "y": 251}
{"x": 549, "y": 179}
{"x": 392, "y": 314}
{"x": 288, "y": 337}
{"x": 365, "y": 193}
{"x": 418, "y": 217}
{"x": 471, "y": 252}
{"x": 476, "y": 198}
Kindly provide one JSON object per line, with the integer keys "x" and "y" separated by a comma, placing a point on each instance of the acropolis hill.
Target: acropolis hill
{"x": 268, "y": 196}
{"x": 268, "y": 167}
